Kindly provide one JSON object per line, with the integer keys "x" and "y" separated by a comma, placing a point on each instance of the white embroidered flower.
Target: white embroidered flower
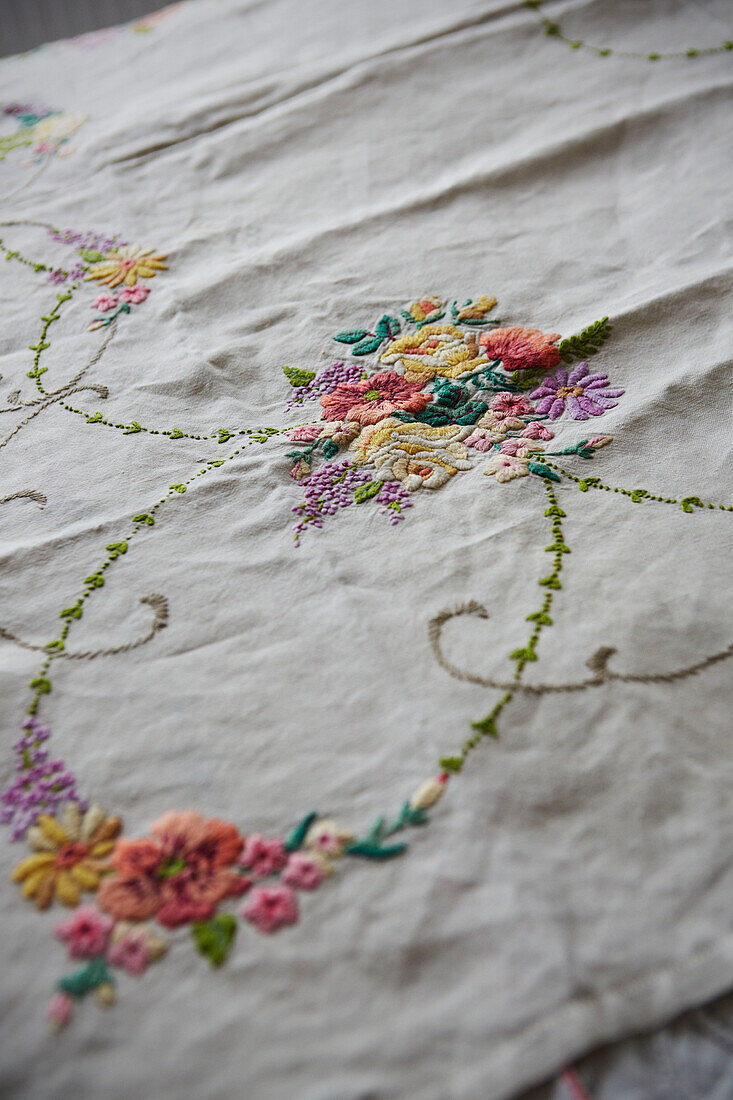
{"x": 435, "y": 349}
{"x": 416, "y": 454}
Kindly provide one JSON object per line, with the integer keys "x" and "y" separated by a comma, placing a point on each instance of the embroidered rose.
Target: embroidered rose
{"x": 373, "y": 399}
{"x": 506, "y": 467}
{"x": 425, "y": 310}
{"x": 496, "y": 420}
{"x": 303, "y": 872}
{"x": 134, "y": 294}
{"x": 179, "y": 874}
{"x": 85, "y": 933}
{"x": 104, "y": 302}
{"x": 263, "y": 856}
{"x": 306, "y": 433}
{"x": 583, "y": 394}
{"x": 271, "y": 907}
{"x": 436, "y": 349}
{"x": 126, "y": 265}
{"x": 522, "y": 348}
{"x": 483, "y": 439}
{"x": 69, "y": 855}
{"x": 415, "y": 454}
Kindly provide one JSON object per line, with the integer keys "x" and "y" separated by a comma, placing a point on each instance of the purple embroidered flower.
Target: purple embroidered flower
{"x": 40, "y": 786}
{"x": 394, "y": 498}
{"x": 583, "y": 394}
{"x": 325, "y": 382}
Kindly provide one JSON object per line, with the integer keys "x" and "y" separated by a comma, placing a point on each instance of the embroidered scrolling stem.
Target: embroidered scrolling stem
{"x": 687, "y": 504}
{"x": 160, "y": 618}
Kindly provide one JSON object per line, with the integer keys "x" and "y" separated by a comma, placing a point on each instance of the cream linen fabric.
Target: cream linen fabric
{"x": 307, "y": 167}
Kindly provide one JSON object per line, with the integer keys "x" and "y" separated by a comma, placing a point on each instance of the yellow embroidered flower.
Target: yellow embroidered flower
{"x": 425, "y": 310}
{"x": 58, "y": 128}
{"x": 416, "y": 454}
{"x": 124, "y": 265}
{"x": 69, "y": 855}
{"x": 435, "y": 349}
{"x": 476, "y": 311}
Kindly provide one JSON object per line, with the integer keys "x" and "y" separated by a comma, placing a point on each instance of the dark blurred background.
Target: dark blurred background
{"x": 28, "y": 23}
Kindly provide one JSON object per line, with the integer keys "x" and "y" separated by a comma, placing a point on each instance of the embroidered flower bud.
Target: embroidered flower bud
{"x": 599, "y": 441}
{"x": 105, "y": 995}
{"x": 428, "y": 793}
{"x": 60, "y": 1009}
{"x": 300, "y": 470}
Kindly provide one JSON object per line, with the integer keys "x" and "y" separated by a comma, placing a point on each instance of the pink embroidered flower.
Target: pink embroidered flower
{"x": 511, "y": 404}
{"x": 506, "y": 467}
{"x": 582, "y": 393}
{"x": 104, "y": 302}
{"x": 271, "y": 907}
{"x": 263, "y": 856}
{"x": 134, "y": 947}
{"x": 373, "y": 399}
{"x": 303, "y": 872}
{"x": 135, "y": 294}
{"x": 483, "y": 439}
{"x": 535, "y": 430}
{"x": 179, "y": 874}
{"x": 520, "y": 447}
{"x": 60, "y": 1009}
{"x": 496, "y": 420}
{"x": 86, "y": 932}
{"x": 301, "y": 469}
{"x": 306, "y": 433}
{"x": 522, "y": 348}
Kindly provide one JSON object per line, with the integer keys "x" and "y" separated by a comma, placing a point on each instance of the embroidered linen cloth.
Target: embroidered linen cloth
{"x": 474, "y": 604}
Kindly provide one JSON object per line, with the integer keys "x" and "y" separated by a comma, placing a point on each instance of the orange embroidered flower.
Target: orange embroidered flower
{"x": 522, "y": 348}
{"x": 124, "y": 265}
{"x": 476, "y": 311}
{"x": 179, "y": 874}
{"x": 69, "y": 855}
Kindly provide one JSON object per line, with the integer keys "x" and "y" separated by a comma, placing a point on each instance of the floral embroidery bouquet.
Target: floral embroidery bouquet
{"x": 441, "y": 394}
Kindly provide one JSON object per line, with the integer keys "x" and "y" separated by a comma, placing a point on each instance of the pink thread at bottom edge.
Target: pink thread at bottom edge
{"x": 574, "y": 1085}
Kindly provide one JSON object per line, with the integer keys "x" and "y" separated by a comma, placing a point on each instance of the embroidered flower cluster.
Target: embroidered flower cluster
{"x": 181, "y": 874}
{"x": 436, "y": 395}
{"x": 40, "y": 130}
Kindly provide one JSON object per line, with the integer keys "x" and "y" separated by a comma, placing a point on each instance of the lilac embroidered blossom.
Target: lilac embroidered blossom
{"x": 41, "y": 785}
{"x": 582, "y": 393}
{"x": 58, "y": 275}
{"x": 326, "y": 491}
{"x": 394, "y": 498}
{"x": 89, "y": 241}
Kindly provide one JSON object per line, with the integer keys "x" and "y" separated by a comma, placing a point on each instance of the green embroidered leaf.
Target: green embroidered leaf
{"x": 94, "y": 418}
{"x": 41, "y": 685}
{"x": 367, "y": 491}
{"x": 523, "y": 655}
{"x": 550, "y": 582}
{"x": 83, "y": 981}
{"x": 367, "y": 850}
{"x": 57, "y": 645}
{"x": 176, "y": 434}
{"x": 555, "y": 511}
{"x": 299, "y": 377}
{"x": 487, "y": 726}
{"x": 116, "y": 547}
{"x": 329, "y": 448}
{"x": 540, "y": 617}
{"x": 558, "y": 548}
{"x": 144, "y": 517}
{"x": 71, "y": 612}
{"x": 96, "y": 580}
{"x": 91, "y": 256}
{"x": 133, "y": 429}
{"x": 367, "y": 346}
{"x": 585, "y": 343}
{"x": 687, "y": 503}
{"x": 214, "y": 938}
{"x": 542, "y": 471}
{"x": 178, "y": 488}
{"x": 451, "y": 763}
{"x": 585, "y": 483}
{"x": 294, "y": 839}
{"x": 388, "y": 327}
{"x": 638, "y": 494}
{"x": 215, "y": 462}
{"x": 223, "y": 435}
{"x": 351, "y": 337}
